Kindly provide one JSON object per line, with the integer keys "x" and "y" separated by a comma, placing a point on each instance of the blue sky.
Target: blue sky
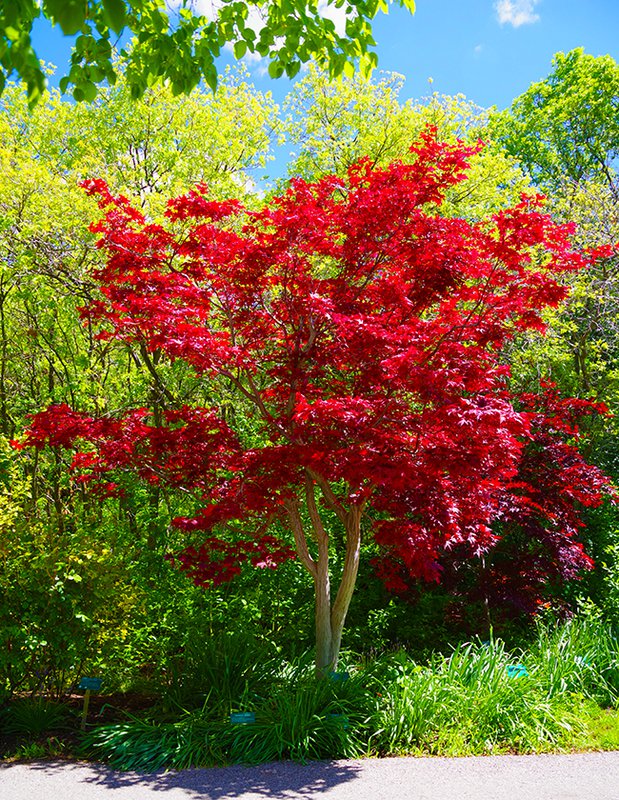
{"x": 489, "y": 50}
{"x": 465, "y": 48}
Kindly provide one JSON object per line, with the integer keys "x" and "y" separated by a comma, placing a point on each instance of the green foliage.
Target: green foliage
{"x": 581, "y": 657}
{"x": 566, "y": 127}
{"x": 412, "y": 703}
{"x": 58, "y": 585}
{"x": 480, "y": 698}
{"x": 180, "y": 47}
{"x": 467, "y": 703}
{"x": 564, "y": 132}
{"x": 297, "y": 716}
{"x": 224, "y": 671}
{"x": 86, "y": 590}
{"x": 610, "y": 569}
{"x": 311, "y": 719}
{"x": 146, "y": 149}
{"x": 602, "y": 727}
{"x": 16, "y": 51}
{"x": 148, "y": 746}
{"x": 84, "y": 585}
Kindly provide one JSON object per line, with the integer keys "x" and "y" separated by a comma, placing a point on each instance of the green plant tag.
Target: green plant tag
{"x": 90, "y": 684}
{"x": 516, "y": 671}
{"x": 242, "y": 718}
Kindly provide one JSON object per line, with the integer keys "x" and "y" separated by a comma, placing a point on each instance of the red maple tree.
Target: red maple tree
{"x": 364, "y": 334}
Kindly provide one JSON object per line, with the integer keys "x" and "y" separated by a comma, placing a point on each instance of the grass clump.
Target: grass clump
{"x": 470, "y": 702}
{"x": 33, "y": 717}
{"x": 149, "y": 745}
{"x": 301, "y": 719}
{"x": 581, "y": 656}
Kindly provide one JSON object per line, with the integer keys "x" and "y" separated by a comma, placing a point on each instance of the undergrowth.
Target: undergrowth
{"x": 559, "y": 694}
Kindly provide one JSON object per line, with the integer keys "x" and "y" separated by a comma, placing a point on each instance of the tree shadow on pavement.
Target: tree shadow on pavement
{"x": 283, "y": 780}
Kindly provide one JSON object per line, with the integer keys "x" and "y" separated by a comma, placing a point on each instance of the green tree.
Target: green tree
{"x": 146, "y": 149}
{"x": 48, "y": 530}
{"x": 178, "y": 43}
{"x": 564, "y": 130}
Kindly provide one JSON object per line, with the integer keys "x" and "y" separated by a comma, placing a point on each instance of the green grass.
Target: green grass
{"x": 580, "y": 656}
{"x": 468, "y": 703}
{"x": 300, "y": 718}
{"x": 601, "y": 726}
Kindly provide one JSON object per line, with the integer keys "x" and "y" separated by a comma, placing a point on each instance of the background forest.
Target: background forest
{"x": 85, "y": 587}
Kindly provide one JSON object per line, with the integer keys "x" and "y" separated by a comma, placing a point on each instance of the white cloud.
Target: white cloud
{"x": 210, "y": 8}
{"x": 478, "y": 49}
{"x": 258, "y": 65}
{"x": 516, "y": 12}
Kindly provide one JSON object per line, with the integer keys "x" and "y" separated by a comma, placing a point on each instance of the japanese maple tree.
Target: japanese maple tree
{"x": 365, "y": 333}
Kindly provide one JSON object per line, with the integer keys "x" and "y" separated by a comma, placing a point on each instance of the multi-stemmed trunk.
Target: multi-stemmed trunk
{"x": 330, "y": 616}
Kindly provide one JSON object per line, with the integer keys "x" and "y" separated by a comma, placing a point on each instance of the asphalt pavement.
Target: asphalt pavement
{"x": 582, "y": 776}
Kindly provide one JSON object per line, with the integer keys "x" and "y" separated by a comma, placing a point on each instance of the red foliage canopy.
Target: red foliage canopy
{"x": 364, "y": 332}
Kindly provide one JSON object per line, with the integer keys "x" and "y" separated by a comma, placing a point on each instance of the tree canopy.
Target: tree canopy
{"x": 179, "y": 41}
{"x": 335, "y": 123}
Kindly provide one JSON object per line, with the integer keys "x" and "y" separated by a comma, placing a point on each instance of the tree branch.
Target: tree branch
{"x": 296, "y": 524}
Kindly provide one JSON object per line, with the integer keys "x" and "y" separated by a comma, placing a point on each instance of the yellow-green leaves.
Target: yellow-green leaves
{"x": 334, "y": 123}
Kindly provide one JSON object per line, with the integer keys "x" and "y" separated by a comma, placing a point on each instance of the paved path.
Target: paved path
{"x": 584, "y": 776}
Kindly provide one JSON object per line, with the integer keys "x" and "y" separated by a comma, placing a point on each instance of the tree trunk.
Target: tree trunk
{"x": 329, "y": 618}
{"x": 324, "y": 631}
{"x": 348, "y": 581}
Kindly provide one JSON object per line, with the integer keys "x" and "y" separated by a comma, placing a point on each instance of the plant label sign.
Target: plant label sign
{"x": 242, "y": 718}
{"x": 90, "y": 684}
